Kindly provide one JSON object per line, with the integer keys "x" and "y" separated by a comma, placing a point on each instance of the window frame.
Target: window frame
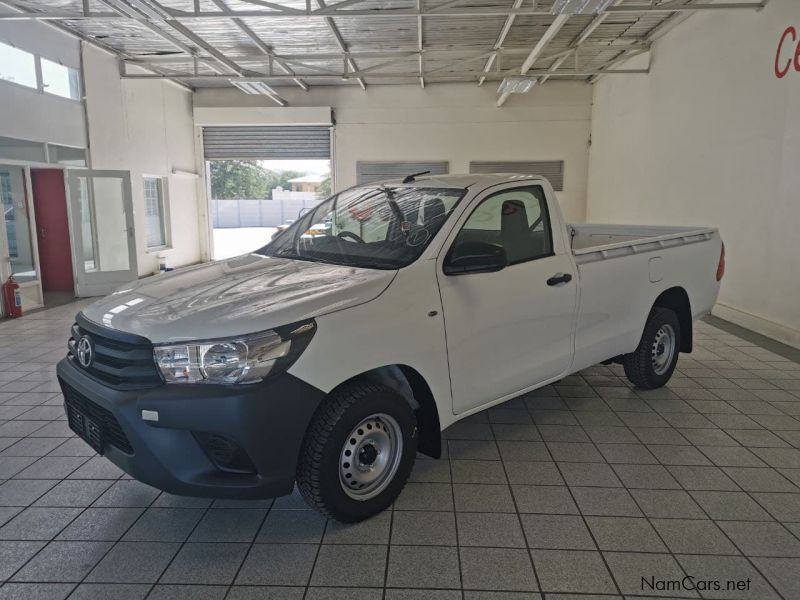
{"x": 165, "y": 221}
{"x": 37, "y": 65}
{"x": 546, "y": 212}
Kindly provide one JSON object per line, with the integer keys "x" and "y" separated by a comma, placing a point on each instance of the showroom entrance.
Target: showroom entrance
{"x": 261, "y": 178}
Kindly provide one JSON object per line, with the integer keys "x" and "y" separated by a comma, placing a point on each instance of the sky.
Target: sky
{"x": 305, "y": 166}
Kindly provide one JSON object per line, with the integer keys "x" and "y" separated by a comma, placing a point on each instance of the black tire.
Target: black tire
{"x": 319, "y": 477}
{"x": 642, "y": 366}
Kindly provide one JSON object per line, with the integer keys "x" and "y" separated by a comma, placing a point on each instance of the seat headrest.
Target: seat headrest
{"x": 432, "y": 210}
{"x": 514, "y": 217}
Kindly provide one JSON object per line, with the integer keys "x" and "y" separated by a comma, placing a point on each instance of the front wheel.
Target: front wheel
{"x": 651, "y": 365}
{"x": 358, "y": 452}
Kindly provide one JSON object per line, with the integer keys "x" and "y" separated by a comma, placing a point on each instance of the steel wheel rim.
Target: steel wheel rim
{"x": 370, "y": 456}
{"x": 663, "y": 349}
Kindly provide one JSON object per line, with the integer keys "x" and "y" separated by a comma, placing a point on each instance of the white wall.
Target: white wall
{"x": 145, "y": 126}
{"x": 32, "y": 115}
{"x": 453, "y": 122}
{"x": 712, "y": 137}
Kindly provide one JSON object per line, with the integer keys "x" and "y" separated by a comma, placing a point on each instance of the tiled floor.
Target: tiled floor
{"x": 584, "y": 488}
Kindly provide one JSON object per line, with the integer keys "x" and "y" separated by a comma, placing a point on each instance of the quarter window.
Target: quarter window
{"x": 516, "y": 219}
{"x": 155, "y": 213}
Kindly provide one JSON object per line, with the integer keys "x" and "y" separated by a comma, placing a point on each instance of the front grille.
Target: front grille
{"x": 95, "y": 424}
{"x": 121, "y": 360}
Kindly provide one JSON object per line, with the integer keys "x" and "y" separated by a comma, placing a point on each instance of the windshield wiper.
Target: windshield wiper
{"x": 398, "y": 213}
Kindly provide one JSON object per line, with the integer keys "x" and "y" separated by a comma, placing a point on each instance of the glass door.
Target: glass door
{"x": 102, "y": 231}
{"x": 20, "y": 253}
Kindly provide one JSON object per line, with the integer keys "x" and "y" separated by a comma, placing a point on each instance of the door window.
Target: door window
{"x": 516, "y": 219}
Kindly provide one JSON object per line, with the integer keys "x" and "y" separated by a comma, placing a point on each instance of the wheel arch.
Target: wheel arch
{"x": 410, "y": 384}
{"x": 677, "y": 300}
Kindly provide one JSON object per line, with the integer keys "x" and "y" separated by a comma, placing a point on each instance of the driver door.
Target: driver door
{"x": 508, "y": 330}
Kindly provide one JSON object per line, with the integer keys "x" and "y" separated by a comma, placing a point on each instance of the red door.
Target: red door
{"x": 52, "y": 229}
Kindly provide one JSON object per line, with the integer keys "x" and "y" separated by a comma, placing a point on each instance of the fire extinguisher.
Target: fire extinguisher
{"x": 12, "y": 299}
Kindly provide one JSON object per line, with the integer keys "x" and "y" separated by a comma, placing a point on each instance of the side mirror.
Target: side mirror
{"x": 475, "y": 257}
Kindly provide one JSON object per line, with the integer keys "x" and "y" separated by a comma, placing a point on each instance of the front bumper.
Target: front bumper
{"x": 266, "y": 420}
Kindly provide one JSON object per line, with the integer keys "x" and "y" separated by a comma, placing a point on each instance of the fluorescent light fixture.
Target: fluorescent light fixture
{"x": 516, "y": 85}
{"x": 254, "y": 87}
{"x": 579, "y": 7}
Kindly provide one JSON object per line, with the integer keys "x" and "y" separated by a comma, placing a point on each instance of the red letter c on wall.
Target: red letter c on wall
{"x": 781, "y": 73}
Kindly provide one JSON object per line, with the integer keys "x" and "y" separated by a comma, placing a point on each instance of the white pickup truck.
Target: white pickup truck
{"x": 331, "y": 360}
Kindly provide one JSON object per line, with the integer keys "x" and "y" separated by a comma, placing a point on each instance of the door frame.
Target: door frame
{"x": 5, "y": 267}
{"x": 84, "y": 288}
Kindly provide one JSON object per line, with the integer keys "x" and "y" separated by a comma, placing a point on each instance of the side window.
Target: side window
{"x": 515, "y": 219}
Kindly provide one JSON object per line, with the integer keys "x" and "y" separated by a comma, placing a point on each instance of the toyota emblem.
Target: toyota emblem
{"x": 85, "y": 352}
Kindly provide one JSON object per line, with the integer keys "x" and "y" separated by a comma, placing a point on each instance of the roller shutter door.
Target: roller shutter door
{"x": 267, "y": 143}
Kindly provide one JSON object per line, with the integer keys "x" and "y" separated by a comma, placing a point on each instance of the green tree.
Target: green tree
{"x": 232, "y": 179}
{"x": 325, "y": 187}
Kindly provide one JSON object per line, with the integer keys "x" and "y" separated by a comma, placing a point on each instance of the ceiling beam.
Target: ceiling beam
{"x": 261, "y": 45}
{"x": 413, "y": 75}
{"x": 548, "y": 35}
{"x": 400, "y": 13}
{"x": 341, "y": 43}
{"x": 500, "y": 39}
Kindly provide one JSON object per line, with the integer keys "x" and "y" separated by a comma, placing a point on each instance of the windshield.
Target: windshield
{"x": 377, "y": 227}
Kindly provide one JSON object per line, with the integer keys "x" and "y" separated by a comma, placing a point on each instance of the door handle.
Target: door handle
{"x": 559, "y": 278}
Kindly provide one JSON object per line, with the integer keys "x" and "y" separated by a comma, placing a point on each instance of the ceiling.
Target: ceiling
{"x": 273, "y": 43}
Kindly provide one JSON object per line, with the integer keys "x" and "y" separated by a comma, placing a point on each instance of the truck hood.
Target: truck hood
{"x": 233, "y": 297}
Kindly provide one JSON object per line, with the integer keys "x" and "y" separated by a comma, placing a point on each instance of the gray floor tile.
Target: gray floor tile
{"x": 188, "y": 592}
{"x": 533, "y": 473}
{"x": 128, "y": 493}
{"x": 645, "y": 476}
{"x": 63, "y": 561}
{"x": 564, "y": 532}
{"x": 478, "y": 471}
{"x": 703, "y": 478}
{"x": 550, "y": 499}
{"x": 483, "y": 498}
{"x": 588, "y": 474}
{"x": 627, "y": 534}
{"x": 760, "y": 480}
{"x": 473, "y": 450}
{"x": 572, "y": 571}
{"x": 424, "y": 528}
{"x": 693, "y": 536}
{"x": 523, "y": 451}
{"x": 292, "y": 526}
{"x": 37, "y": 523}
{"x": 573, "y": 452}
{"x": 739, "y": 571}
{"x": 409, "y": 594}
{"x": 246, "y": 592}
{"x": 762, "y": 539}
{"x": 112, "y": 591}
{"x": 667, "y": 504}
{"x": 501, "y": 569}
{"x": 278, "y": 564}
{"x": 36, "y": 591}
{"x": 77, "y": 493}
{"x": 498, "y": 530}
{"x": 164, "y": 525}
{"x": 134, "y": 562}
{"x": 425, "y": 496}
{"x": 784, "y": 507}
{"x": 326, "y": 593}
{"x": 627, "y": 454}
{"x": 423, "y": 567}
{"x": 204, "y": 563}
{"x": 605, "y": 501}
{"x": 372, "y": 531}
{"x": 15, "y": 554}
{"x": 100, "y": 524}
{"x": 730, "y": 506}
{"x": 228, "y": 525}
{"x": 639, "y": 574}
{"x": 356, "y": 566}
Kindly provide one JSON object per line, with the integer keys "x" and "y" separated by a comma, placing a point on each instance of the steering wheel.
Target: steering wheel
{"x": 353, "y": 236}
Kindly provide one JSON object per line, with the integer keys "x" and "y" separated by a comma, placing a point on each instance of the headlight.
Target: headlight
{"x": 246, "y": 359}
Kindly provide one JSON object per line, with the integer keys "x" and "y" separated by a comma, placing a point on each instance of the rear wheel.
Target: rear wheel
{"x": 358, "y": 452}
{"x": 651, "y": 365}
